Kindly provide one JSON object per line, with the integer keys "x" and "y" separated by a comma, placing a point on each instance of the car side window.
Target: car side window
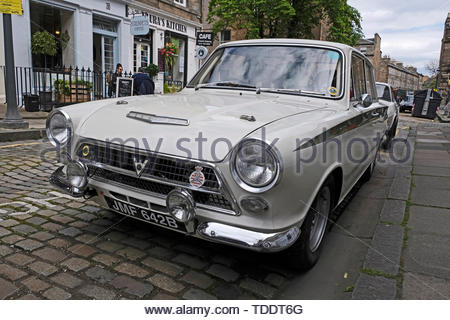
{"x": 370, "y": 81}
{"x": 358, "y": 78}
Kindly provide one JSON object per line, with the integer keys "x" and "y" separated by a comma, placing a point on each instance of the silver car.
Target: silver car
{"x": 256, "y": 152}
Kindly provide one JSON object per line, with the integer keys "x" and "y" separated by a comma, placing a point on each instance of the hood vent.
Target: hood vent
{"x": 153, "y": 118}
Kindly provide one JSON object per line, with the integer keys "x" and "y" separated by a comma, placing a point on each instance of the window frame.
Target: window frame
{"x": 182, "y": 3}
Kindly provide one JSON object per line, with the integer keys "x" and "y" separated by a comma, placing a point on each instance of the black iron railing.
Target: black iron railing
{"x": 58, "y": 87}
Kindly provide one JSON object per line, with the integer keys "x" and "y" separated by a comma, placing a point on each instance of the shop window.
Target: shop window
{"x": 180, "y": 2}
{"x": 59, "y": 23}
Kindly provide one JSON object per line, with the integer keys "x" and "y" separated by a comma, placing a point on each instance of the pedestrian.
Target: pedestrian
{"x": 143, "y": 84}
{"x": 113, "y": 80}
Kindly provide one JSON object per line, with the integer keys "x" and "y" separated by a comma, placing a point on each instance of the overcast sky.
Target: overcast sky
{"x": 411, "y": 31}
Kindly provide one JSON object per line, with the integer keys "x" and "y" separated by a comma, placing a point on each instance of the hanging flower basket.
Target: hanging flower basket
{"x": 169, "y": 51}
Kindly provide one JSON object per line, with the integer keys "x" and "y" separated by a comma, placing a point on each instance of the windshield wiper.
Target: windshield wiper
{"x": 296, "y": 91}
{"x": 224, "y": 84}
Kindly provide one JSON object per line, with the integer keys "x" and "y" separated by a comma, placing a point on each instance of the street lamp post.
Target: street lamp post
{"x": 12, "y": 119}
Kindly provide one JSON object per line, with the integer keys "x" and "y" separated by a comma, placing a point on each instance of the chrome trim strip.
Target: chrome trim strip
{"x": 247, "y": 239}
{"x": 153, "y": 118}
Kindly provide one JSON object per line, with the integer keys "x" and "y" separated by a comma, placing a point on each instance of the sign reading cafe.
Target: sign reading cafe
{"x": 159, "y": 21}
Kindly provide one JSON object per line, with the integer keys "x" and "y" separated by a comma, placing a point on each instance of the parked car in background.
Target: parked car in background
{"x": 386, "y": 96}
{"x": 256, "y": 152}
{"x": 407, "y": 104}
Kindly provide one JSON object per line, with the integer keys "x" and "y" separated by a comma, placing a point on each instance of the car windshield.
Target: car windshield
{"x": 284, "y": 69}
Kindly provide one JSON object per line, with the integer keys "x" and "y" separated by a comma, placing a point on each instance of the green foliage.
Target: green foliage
{"x": 64, "y": 39}
{"x": 345, "y": 22}
{"x": 170, "y": 89}
{"x": 430, "y": 84}
{"x": 287, "y": 18}
{"x": 261, "y": 18}
{"x": 152, "y": 70}
{"x": 63, "y": 87}
{"x": 44, "y": 43}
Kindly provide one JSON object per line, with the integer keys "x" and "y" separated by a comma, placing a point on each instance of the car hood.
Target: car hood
{"x": 214, "y": 116}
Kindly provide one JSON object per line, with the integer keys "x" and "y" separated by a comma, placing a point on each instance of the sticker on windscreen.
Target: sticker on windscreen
{"x": 332, "y": 91}
{"x": 332, "y": 55}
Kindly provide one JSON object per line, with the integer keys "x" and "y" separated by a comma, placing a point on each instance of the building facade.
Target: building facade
{"x": 443, "y": 77}
{"x": 389, "y": 70}
{"x": 97, "y": 34}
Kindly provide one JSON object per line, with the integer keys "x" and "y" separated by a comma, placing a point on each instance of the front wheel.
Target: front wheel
{"x": 304, "y": 254}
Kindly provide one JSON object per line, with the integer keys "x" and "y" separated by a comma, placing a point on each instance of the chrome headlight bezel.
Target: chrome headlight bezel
{"x": 69, "y": 126}
{"x": 270, "y": 151}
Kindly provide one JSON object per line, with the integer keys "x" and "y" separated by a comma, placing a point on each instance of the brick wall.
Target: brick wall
{"x": 192, "y": 11}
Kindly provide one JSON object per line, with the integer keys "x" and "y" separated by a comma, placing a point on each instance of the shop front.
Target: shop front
{"x": 169, "y": 44}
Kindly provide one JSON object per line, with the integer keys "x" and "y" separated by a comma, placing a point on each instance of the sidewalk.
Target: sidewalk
{"x": 409, "y": 256}
{"x": 36, "y": 130}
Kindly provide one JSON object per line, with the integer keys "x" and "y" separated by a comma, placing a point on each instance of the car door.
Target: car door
{"x": 363, "y": 140}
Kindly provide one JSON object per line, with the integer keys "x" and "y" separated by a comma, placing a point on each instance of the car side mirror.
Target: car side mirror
{"x": 366, "y": 100}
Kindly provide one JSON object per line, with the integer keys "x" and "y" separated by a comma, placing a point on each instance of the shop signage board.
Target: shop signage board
{"x": 124, "y": 87}
{"x": 139, "y": 25}
{"x": 11, "y": 7}
{"x": 205, "y": 39}
{"x": 159, "y": 21}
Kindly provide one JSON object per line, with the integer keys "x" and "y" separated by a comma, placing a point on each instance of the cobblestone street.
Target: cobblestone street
{"x": 53, "y": 246}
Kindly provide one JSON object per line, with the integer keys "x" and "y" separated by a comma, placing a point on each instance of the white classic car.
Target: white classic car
{"x": 386, "y": 96}
{"x": 259, "y": 148}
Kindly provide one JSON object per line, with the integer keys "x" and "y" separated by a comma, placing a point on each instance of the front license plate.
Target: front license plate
{"x": 144, "y": 214}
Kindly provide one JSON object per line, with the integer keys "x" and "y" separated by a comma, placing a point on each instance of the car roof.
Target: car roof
{"x": 336, "y": 45}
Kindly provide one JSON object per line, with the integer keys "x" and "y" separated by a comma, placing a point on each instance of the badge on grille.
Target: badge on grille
{"x": 197, "y": 178}
{"x": 139, "y": 165}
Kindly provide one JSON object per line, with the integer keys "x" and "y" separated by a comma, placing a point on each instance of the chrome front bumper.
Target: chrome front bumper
{"x": 210, "y": 231}
{"x": 243, "y": 238}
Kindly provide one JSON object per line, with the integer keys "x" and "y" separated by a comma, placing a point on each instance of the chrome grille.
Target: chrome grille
{"x": 161, "y": 189}
{"x": 160, "y": 167}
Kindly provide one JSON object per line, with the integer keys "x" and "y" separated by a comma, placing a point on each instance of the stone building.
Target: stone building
{"x": 443, "y": 76}
{"x": 372, "y": 49}
{"x": 389, "y": 70}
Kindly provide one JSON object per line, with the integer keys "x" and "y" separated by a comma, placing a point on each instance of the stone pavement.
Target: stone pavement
{"x": 409, "y": 256}
{"x": 55, "y": 247}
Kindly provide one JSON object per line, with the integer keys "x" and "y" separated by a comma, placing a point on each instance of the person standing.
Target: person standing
{"x": 113, "y": 80}
{"x": 143, "y": 84}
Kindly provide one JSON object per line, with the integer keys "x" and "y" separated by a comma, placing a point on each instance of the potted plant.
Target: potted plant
{"x": 42, "y": 42}
{"x": 72, "y": 92}
{"x": 152, "y": 70}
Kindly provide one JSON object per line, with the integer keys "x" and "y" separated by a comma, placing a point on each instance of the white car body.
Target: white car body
{"x": 299, "y": 128}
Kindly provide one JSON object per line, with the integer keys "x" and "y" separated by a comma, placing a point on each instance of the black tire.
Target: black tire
{"x": 390, "y": 135}
{"x": 305, "y": 253}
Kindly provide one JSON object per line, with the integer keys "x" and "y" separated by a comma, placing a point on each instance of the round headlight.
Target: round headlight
{"x": 76, "y": 174}
{"x": 59, "y": 128}
{"x": 256, "y": 165}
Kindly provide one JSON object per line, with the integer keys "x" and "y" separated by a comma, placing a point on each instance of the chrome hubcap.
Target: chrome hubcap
{"x": 319, "y": 222}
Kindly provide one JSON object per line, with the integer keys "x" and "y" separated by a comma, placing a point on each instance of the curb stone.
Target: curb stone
{"x": 388, "y": 239}
{"x": 20, "y": 135}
